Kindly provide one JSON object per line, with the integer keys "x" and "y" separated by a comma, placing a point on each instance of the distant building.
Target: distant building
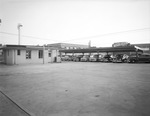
{"x": 21, "y": 54}
{"x": 89, "y": 44}
{"x": 67, "y": 46}
{"x": 119, "y": 44}
{"x": 144, "y": 46}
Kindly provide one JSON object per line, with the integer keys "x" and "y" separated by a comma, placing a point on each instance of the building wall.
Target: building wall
{"x": 55, "y": 56}
{"x": 34, "y": 57}
{"x": 21, "y": 59}
{"x": 11, "y": 57}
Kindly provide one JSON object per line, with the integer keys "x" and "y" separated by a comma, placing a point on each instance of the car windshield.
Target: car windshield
{"x": 133, "y": 55}
{"x": 145, "y": 55}
{"x": 101, "y": 56}
{"x": 125, "y": 56}
{"x": 107, "y": 56}
{"x": 80, "y": 56}
{"x": 119, "y": 55}
{"x": 85, "y": 56}
{"x": 66, "y": 56}
{"x": 92, "y": 56}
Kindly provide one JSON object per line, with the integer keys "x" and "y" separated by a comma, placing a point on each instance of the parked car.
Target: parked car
{"x": 101, "y": 58}
{"x": 77, "y": 58}
{"x": 85, "y": 58}
{"x": 120, "y": 58}
{"x": 107, "y": 58}
{"x": 94, "y": 58}
{"x": 66, "y": 58}
{"x": 125, "y": 58}
{"x": 117, "y": 58}
{"x": 63, "y": 58}
{"x": 139, "y": 58}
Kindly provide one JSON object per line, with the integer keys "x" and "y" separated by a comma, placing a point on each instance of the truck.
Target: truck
{"x": 145, "y": 57}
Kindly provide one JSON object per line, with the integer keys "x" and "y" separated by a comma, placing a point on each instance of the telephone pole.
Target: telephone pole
{"x": 19, "y": 25}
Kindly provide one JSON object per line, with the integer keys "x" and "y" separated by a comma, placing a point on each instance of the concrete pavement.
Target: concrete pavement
{"x": 79, "y": 88}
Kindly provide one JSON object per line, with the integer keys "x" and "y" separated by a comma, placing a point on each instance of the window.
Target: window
{"x": 40, "y": 53}
{"x": 18, "y": 52}
{"x": 49, "y": 54}
{"x": 28, "y": 54}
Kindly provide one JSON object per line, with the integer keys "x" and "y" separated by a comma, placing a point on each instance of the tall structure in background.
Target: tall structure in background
{"x": 89, "y": 44}
{"x": 19, "y": 25}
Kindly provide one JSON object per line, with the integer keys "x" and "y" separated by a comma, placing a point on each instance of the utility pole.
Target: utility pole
{"x": 43, "y": 54}
{"x": 19, "y": 25}
{"x": 89, "y": 44}
{"x": 0, "y": 23}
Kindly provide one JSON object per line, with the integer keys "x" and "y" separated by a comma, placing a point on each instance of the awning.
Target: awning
{"x": 103, "y": 49}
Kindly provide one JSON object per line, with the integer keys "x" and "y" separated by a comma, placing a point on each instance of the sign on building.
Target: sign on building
{"x": 119, "y": 44}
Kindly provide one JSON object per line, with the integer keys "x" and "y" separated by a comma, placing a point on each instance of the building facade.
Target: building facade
{"x": 68, "y": 46}
{"x": 145, "y": 47}
{"x": 20, "y": 54}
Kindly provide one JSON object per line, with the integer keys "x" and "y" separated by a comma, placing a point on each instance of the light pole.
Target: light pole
{"x": 19, "y": 25}
{"x": 43, "y": 54}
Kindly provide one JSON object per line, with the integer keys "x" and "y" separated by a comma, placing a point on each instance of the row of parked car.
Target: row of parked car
{"x": 118, "y": 58}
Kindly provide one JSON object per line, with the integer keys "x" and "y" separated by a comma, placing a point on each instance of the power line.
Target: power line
{"x": 107, "y": 34}
{"x": 33, "y": 37}
{"x": 38, "y": 38}
{"x": 6, "y": 37}
{"x": 9, "y": 33}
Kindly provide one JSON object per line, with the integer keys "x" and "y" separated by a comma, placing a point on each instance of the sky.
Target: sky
{"x": 103, "y": 22}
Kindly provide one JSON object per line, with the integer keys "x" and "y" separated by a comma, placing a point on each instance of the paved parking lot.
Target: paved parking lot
{"x": 77, "y": 89}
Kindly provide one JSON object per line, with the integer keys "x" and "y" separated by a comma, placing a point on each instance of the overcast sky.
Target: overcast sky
{"x": 75, "y": 21}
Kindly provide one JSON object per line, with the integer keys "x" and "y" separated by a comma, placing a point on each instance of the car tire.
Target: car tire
{"x": 133, "y": 61}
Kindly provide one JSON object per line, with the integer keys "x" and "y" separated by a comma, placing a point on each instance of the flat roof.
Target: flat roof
{"x": 21, "y": 47}
{"x": 103, "y": 49}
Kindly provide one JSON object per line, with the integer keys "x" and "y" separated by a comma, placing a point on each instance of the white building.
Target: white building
{"x": 20, "y": 54}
